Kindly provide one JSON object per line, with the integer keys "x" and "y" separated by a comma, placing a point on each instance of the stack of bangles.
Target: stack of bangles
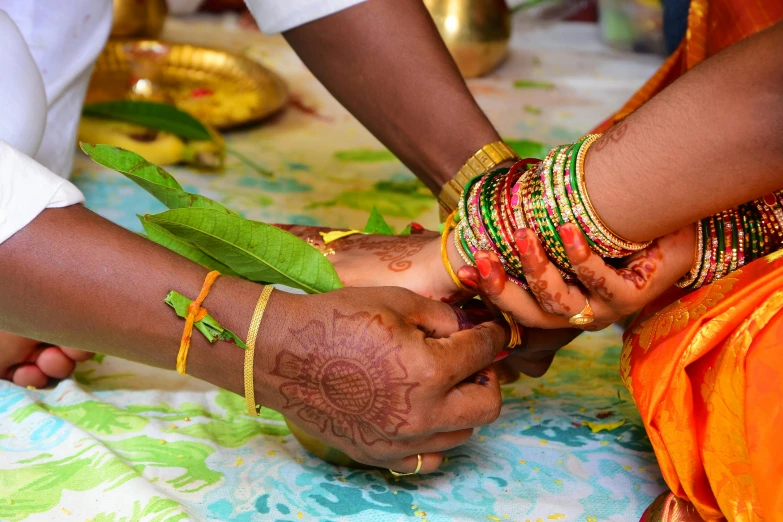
{"x": 552, "y": 193}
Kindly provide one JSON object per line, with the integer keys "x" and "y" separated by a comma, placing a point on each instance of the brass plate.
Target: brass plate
{"x": 221, "y": 89}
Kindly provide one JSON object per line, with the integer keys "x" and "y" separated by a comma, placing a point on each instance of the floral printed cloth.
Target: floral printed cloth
{"x": 122, "y": 442}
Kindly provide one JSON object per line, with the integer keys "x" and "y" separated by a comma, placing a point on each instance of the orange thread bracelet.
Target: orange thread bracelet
{"x": 195, "y": 313}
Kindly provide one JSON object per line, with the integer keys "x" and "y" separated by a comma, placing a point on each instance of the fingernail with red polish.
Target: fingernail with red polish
{"x": 567, "y": 234}
{"x": 522, "y": 242}
{"x": 502, "y": 355}
{"x": 470, "y": 283}
{"x": 484, "y": 267}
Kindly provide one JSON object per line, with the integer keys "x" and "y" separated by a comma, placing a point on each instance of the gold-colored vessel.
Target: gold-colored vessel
{"x": 138, "y": 18}
{"x": 476, "y": 32}
{"x": 221, "y": 89}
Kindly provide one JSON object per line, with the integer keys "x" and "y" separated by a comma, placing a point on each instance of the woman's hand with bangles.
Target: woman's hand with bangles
{"x": 613, "y": 293}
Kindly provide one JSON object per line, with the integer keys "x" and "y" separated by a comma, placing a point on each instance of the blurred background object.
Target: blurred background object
{"x": 138, "y": 18}
{"x": 633, "y": 25}
{"x": 475, "y": 31}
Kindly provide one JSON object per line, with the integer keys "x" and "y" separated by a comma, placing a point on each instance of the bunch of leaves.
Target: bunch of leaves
{"x": 213, "y": 236}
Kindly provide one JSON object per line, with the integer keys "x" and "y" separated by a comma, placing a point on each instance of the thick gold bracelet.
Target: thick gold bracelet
{"x": 252, "y": 333}
{"x": 484, "y": 160}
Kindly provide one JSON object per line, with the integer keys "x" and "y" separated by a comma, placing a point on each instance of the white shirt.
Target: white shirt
{"x": 47, "y": 52}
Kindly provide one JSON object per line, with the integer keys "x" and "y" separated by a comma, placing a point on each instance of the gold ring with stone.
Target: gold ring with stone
{"x": 584, "y": 317}
{"x": 418, "y": 468}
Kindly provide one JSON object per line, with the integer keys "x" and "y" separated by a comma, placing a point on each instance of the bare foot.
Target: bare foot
{"x": 29, "y": 363}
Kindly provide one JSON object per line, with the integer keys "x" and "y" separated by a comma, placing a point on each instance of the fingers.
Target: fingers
{"x": 545, "y": 281}
{"x": 512, "y": 299}
{"x": 466, "y": 352}
{"x": 473, "y": 403}
{"x": 645, "y": 275}
{"x": 29, "y": 375}
{"x": 76, "y": 355}
{"x": 434, "y": 318}
{"x": 54, "y": 363}
{"x": 429, "y": 463}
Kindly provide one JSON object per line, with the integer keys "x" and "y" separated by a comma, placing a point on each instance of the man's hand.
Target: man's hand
{"x": 379, "y": 373}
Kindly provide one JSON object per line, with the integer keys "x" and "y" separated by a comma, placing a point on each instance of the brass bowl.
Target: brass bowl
{"x": 138, "y": 18}
{"x": 221, "y": 89}
{"x": 322, "y": 450}
{"x": 476, "y": 32}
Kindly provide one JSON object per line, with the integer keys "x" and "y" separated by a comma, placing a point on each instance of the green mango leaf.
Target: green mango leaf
{"x": 377, "y": 225}
{"x": 254, "y": 250}
{"x": 406, "y": 231}
{"x": 208, "y": 326}
{"x": 150, "y": 177}
{"x": 158, "y": 116}
{"x": 164, "y": 238}
{"x": 528, "y": 149}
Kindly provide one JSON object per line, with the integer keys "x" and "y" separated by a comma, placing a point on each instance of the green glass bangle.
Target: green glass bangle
{"x": 721, "y": 246}
{"x": 556, "y": 218}
{"x": 551, "y": 239}
{"x": 574, "y": 189}
{"x": 485, "y": 214}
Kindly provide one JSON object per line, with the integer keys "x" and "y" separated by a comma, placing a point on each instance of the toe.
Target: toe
{"x": 76, "y": 355}
{"x": 29, "y": 375}
{"x": 54, "y": 363}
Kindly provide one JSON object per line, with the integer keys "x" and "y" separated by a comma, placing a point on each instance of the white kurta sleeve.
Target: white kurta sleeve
{"x": 26, "y": 187}
{"x": 276, "y": 16}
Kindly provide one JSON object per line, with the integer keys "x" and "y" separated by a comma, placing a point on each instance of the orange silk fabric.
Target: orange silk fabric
{"x": 706, "y": 371}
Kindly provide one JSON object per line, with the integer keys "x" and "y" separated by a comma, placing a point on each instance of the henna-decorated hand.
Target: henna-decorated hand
{"x": 379, "y": 373}
{"x": 411, "y": 261}
{"x": 614, "y": 293}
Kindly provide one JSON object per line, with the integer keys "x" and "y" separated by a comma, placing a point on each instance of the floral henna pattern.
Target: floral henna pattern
{"x": 396, "y": 250}
{"x": 349, "y": 378}
{"x": 613, "y": 135}
{"x": 641, "y": 268}
{"x": 551, "y": 303}
{"x": 596, "y": 285}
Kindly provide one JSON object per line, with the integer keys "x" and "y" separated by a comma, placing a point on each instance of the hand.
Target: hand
{"x": 380, "y": 373}
{"x": 613, "y": 293}
{"x": 411, "y": 261}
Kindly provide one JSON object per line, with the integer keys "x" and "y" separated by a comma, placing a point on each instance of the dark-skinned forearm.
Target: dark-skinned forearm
{"x": 74, "y": 279}
{"x": 710, "y": 141}
{"x": 386, "y": 63}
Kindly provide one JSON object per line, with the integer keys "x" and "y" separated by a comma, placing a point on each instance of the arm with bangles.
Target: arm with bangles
{"x": 707, "y": 143}
{"x": 72, "y": 277}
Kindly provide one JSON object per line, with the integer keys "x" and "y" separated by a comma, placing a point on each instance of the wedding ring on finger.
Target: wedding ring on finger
{"x": 584, "y": 317}
{"x": 415, "y": 471}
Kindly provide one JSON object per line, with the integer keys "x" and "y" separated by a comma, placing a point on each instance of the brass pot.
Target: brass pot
{"x": 138, "y": 18}
{"x": 476, "y": 32}
{"x": 322, "y": 450}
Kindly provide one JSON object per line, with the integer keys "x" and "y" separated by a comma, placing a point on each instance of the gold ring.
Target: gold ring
{"x": 584, "y": 317}
{"x": 418, "y": 468}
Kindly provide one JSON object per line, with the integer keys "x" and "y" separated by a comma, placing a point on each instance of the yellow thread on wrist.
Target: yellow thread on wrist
{"x": 444, "y": 254}
{"x": 195, "y": 313}
{"x": 252, "y": 333}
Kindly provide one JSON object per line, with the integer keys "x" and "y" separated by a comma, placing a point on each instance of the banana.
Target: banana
{"x": 157, "y": 147}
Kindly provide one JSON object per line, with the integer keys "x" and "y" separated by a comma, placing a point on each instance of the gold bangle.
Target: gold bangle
{"x": 252, "y": 333}
{"x": 698, "y": 258}
{"x": 486, "y": 158}
{"x": 613, "y": 239}
{"x": 444, "y": 254}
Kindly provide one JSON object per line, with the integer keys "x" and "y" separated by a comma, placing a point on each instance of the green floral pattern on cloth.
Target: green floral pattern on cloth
{"x": 120, "y": 442}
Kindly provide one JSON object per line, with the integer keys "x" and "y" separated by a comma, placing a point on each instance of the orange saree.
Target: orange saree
{"x": 706, "y": 371}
